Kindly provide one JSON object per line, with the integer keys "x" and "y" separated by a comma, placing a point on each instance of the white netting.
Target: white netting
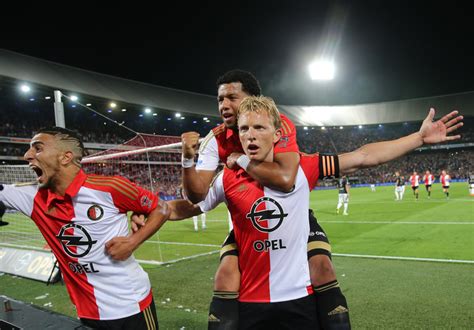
{"x": 21, "y": 231}
{"x": 150, "y": 161}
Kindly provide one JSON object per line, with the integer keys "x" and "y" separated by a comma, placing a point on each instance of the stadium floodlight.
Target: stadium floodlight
{"x": 47, "y": 97}
{"x": 205, "y": 118}
{"x": 147, "y": 110}
{"x": 322, "y": 70}
{"x": 74, "y": 98}
{"x": 340, "y": 127}
{"x": 88, "y": 104}
{"x": 124, "y": 110}
{"x": 177, "y": 115}
{"x": 25, "y": 88}
{"x": 113, "y": 105}
{"x": 155, "y": 114}
{"x": 323, "y": 128}
{"x": 305, "y": 128}
{"x": 360, "y": 126}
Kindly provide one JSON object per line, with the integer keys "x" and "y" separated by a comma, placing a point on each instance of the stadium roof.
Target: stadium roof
{"x": 63, "y": 77}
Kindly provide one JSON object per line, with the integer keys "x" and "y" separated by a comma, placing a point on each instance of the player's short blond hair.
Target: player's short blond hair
{"x": 260, "y": 104}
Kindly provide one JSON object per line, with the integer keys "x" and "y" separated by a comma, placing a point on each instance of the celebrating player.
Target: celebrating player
{"x": 445, "y": 179}
{"x": 428, "y": 178}
{"x": 415, "y": 182}
{"x": 83, "y": 218}
{"x": 222, "y": 145}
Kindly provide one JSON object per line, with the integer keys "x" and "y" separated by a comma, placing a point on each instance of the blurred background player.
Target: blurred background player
{"x": 399, "y": 186}
{"x": 203, "y": 222}
{"x": 445, "y": 178}
{"x": 415, "y": 183}
{"x": 2, "y": 212}
{"x": 343, "y": 185}
{"x": 428, "y": 178}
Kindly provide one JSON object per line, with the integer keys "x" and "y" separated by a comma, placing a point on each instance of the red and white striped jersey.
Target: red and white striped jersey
{"x": 76, "y": 226}
{"x": 415, "y": 180}
{"x": 429, "y": 179}
{"x": 271, "y": 229}
{"x": 222, "y": 141}
{"x": 445, "y": 180}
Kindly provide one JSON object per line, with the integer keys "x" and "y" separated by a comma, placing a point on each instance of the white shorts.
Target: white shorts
{"x": 343, "y": 198}
{"x": 400, "y": 188}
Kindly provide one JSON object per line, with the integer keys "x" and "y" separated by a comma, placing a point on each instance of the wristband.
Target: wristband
{"x": 243, "y": 162}
{"x": 187, "y": 162}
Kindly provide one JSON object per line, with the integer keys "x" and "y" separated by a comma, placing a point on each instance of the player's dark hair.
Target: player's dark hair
{"x": 66, "y": 135}
{"x": 250, "y": 84}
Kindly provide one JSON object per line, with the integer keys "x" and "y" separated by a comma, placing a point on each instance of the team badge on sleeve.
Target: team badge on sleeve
{"x": 146, "y": 202}
{"x": 95, "y": 212}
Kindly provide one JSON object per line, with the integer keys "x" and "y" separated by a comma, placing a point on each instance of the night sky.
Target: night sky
{"x": 382, "y": 51}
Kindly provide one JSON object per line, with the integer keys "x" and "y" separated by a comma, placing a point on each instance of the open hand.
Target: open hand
{"x": 435, "y": 132}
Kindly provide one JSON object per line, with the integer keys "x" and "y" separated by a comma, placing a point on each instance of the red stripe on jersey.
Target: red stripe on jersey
{"x": 309, "y": 288}
{"x": 146, "y": 302}
{"x": 78, "y": 287}
{"x": 310, "y": 166}
{"x": 241, "y": 190}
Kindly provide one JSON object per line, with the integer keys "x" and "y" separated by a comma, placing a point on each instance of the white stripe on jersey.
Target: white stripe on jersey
{"x": 208, "y": 159}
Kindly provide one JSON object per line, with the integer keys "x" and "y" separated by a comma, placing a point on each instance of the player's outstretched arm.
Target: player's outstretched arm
{"x": 195, "y": 183}
{"x": 374, "y": 154}
{"x": 120, "y": 248}
{"x": 279, "y": 174}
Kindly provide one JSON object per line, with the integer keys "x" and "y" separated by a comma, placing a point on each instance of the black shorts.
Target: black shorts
{"x": 445, "y": 187}
{"x": 229, "y": 247}
{"x": 318, "y": 242}
{"x": 145, "y": 320}
{"x": 293, "y": 314}
{"x": 414, "y": 188}
{"x": 427, "y": 186}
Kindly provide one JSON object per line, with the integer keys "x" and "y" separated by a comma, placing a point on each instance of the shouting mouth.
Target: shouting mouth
{"x": 38, "y": 171}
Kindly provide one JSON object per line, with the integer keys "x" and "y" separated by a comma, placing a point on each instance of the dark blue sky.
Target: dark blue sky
{"x": 385, "y": 51}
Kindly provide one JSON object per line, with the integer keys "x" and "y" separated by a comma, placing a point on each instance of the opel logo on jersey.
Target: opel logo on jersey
{"x": 258, "y": 216}
{"x": 95, "y": 212}
{"x": 80, "y": 238}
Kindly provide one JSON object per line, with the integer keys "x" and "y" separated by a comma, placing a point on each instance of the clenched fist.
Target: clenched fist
{"x": 190, "y": 142}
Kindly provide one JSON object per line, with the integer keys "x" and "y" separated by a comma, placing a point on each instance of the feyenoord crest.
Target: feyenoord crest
{"x": 269, "y": 214}
{"x": 95, "y": 212}
{"x": 80, "y": 238}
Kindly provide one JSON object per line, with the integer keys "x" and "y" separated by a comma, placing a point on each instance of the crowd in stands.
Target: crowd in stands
{"x": 457, "y": 161}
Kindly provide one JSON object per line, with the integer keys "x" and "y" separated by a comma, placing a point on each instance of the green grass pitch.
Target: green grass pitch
{"x": 427, "y": 285}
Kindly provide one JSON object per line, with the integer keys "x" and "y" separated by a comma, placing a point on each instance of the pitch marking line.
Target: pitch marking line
{"x": 403, "y": 258}
{"x": 348, "y": 222}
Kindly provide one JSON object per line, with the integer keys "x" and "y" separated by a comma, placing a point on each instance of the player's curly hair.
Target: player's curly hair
{"x": 260, "y": 104}
{"x": 250, "y": 84}
{"x": 68, "y": 137}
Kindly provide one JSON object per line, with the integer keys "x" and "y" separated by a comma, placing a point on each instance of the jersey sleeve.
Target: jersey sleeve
{"x": 287, "y": 141}
{"x": 208, "y": 158}
{"x": 215, "y": 196}
{"x": 319, "y": 166}
{"x": 128, "y": 196}
{"x": 19, "y": 197}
